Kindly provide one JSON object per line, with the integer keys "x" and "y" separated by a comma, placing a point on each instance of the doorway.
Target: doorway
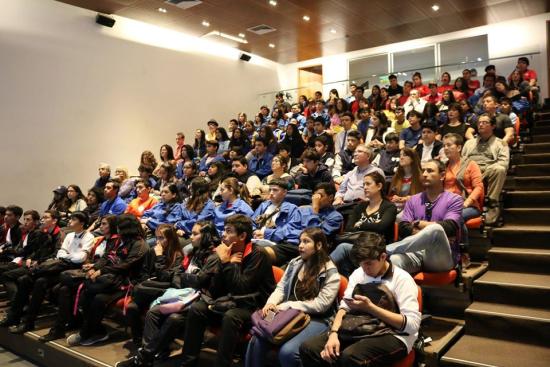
{"x": 310, "y": 80}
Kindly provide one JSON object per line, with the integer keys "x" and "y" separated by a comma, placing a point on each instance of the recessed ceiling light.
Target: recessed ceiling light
{"x": 272, "y": 45}
{"x": 162, "y": 10}
{"x": 306, "y": 18}
{"x": 205, "y": 23}
{"x": 272, "y": 3}
{"x": 479, "y": 59}
{"x": 242, "y": 35}
{"x": 435, "y": 7}
{"x": 333, "y": 31}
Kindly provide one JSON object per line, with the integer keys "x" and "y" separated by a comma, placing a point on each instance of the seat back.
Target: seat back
{"x": 277, "y": 273}
{"x": 343, "y": 286}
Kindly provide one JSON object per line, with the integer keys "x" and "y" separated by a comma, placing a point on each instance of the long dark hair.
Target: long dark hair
{"x": 174, "y": 248}
{"x": 239, "y": 143}
{"x": 382, "y": 126}
{"x": 201, "y": 142}
{"x": 209, "y": 239}
{"x": 79, "y": 194}
{"x": 308, "y": 288}
{"x": 200, "y": 195}
{"x": 169, "y": 153}
{"x": 189, "y": 151}
{"x": 112, "y": 220}
{"x": 129, "y": 228}
{"x": 416, "y": 183}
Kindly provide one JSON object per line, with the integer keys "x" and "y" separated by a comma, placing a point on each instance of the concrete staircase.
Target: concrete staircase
{"x": 508, "y": 324}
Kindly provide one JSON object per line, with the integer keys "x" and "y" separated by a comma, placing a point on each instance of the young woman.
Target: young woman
{"x": 380, "y": 128}
{"x": 384, "y": 99}
{"x": 198, "y": 207}
{"x": 279, "y": 165}
{"x": 162, "y": 262}
{"x": 223, "y": 140}
{"x": 279, "y": 116}
{"x": 167, "y": 176}
{"x": 455, "y": 124}
{"x": 167, "y": 211}
{"x": 460, "y": 90}
{"x": 271, "y": 142}
{"x": 241, "y": 119}
{"x": 250, "y": 131}
{"x": 166, "y": 153}
{"x": 236, "y": 200}
{"x": 333, "y": 96}
{"x": 239, "y": 141}
{"x": 215, "y": 173}
{"x": 294, "y": 140}
{"x": 187, "y": 156}
{"x": 374, "y": 98}
{"x": 407, "y": 181}
{"x": 94, "y": 200}
{"x": 119, "y": 266}
{"x": 199, "y": 146}
{"x": 468, "y": 115}
{"x": 310, "y": 284}
{"x": 60, "y": 201}
{"x": 148, "y": 159}
{"x": 76, "y": 198}
{"x": 376, "y": 214}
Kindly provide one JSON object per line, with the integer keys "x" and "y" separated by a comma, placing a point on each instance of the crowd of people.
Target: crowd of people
{"x": 315, "y": 187}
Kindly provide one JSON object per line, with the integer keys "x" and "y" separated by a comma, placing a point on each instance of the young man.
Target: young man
{"x": 143, "y": 202}
{"x": 363, "y": 116}
{"x": 434, "y": 96}
{"x": 506, "y": 109}
{"x": 312, "y": 171}
{"x": 528, "y": 75}
{"x": 492, "y": 156}
{"x": 104, "y": 171}
{"x": 343, "y": 162}
{"x": 212, "y": 127}
{"x": 394, "y": 89}
{"x": 472, "y": 84}
{"x": 210, "y": 157}
{"x": 422, "y": 89}
{"x": 321, "y": 213}
{"x": 351, "y": 188}
{"x": 278, "y": 224}
{"x": 260, "y": 163}
{"x": 264, "y": 111}
{"x": 239, "y": 167}
{"x": 322, "y": 147}
{"x": 340, "y": 140}
{"x": 12, "y": 231}
{"x": 431, "y": 223}
{"x": 349, "y": 99}
{"x": 71, "y": 255}
{"x": 113, "y": 203}
{"x": 319, "y": 130}
{"x": 388, "y": 158}
{"x": 296, "y": 113}
{"x": 242, "y": 269}
{"x": 281, "y": 103}
{"x": 354, "y": 106}
{"x": 400, "y": 123}
{"x": 407, "y": 87}
{"x": 180, "y": 142}
{"x": 321, "y": 113}
{"x": 430, "y": 147}
{"x": 384, "y": 349}
{"x": 503, "y": 128}
{"x": 410, "y": 136}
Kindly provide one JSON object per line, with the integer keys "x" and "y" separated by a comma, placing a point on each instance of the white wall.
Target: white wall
{"x": 519, "y": 36}
{"x": 73, "y": 94}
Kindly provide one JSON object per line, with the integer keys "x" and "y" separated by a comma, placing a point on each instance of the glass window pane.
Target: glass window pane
{"x": 471, "y": 53}
{"x": 367, "y": 71}
{"x": 420, "y": 59}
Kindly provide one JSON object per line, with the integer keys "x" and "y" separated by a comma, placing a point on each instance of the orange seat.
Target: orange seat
{"x": 277, "y": 273}
{"x": 343, "y": 286}
{"x": 474, "y": 223}
{"x": 395, "y": 232}
{"x": 442, "y": 278}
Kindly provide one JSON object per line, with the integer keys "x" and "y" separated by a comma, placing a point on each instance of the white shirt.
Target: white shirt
{"x": 427, "y": 152}
{"x": 76, "y": 247}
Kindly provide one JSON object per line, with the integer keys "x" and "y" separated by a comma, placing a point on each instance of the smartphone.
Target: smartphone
{"x": 270, "y": 316}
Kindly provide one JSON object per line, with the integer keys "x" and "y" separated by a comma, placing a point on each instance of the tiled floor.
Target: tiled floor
{"x": 12, "y": 360}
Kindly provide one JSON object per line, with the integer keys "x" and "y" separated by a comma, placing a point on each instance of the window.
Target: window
{"x": 419, "y": 59}
{"x": 367, "y": 71}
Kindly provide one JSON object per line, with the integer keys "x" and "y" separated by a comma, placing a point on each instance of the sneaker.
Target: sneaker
{"x": 74, "y": 339}
{"x": 94, "y": 339}
{"x": 492, "y": 216}
{"x": 22, "y": 328}
{"x": 8, "y": 321}
{"x": 53, "y": 334}
{"x": 131, "y": 362}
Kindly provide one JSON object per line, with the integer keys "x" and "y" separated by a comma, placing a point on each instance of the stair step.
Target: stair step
{"x": 529, "y": 325}
{"x": 515, "y": 259}
{"x": 541, "y": 130}
{"x": 541, "y": 138}
{"x": 521, "y": 289}
{"x": 530, "y": 216}
{"x": 536, "y": 158}
{"x": 476, "y": 351}
{"x": 541, "y": 115}
{"x": 537, "y": 147}
{"x": 538, "y": 183}
{"x": 526, "y": 199}
{"x": 545, "y": 122}
{"x": 541, "y": 169}
{"x": 521, "y": 236}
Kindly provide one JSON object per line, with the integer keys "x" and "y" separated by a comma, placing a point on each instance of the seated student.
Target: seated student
{"x": 284, "y": 151}
{"x": 190, "y": 172}
{"x": 155, "y": 334}
{"x": 235, "y": 201}
{"x": 430, "y": 147}
{"x": 321, "y": 147}
{"x": 198, "y": 207}
{"x": 126, "y": 183}
{"x": 312, "y": 172}
{"x": 400, "y": 123}
{"x": 363, "y": 120}
{"x": 210, "y": 157}
{"x": 376, "y": 214}
{"x": 279, "y": 166}
{"x": 410, "y": 136}
{"x": 60, "y": 201}
{"x": 146, "y": 174}
{"x": 384, "y": 349}
{"x": 72, "y": 254}
{"x": 492, "y": 157}
{"x": 319, "y": 130}
{"x": 260, "y": 163}
{"x": 278, "y": 224}
{"x": 70, "y": 280}
{"x": 455, "y": 124}
{"x": 223, "y": 140}
{"x": 166, "y": 175}
{"x": 160, "y": 265}
{"x": 113, "y": 204}
{"x": 407, "y": 179}
{"x": 143, "y": 202}
{"x": 94, "y": 200}
{"x": 321, "y": 213}
{"x": 310, "y": 284}
{"x": 388, "y": 157}
{"x": 343, "y": 162}
{"x": 377, "y": 131}
{"x": 215, "y": 175}
{"x": 351, "y": 188}
{"x": 166, "y": 211}
{"x": 308, "y": 132}
{"x": 243, "y": 269}
{"x": 341, "y": 139}
{"x": 503, "y": 128}
{"x": 239, "y": 167}
{"x": 77, "y": 202}
{"x": 506, "y": 109}
{"x": 431, "y": 226}
{"x": 12, "y": 232}
{"x": 321, "y": 113}
{"x": 118, "y": 267}
{"x": 104, "y": 171}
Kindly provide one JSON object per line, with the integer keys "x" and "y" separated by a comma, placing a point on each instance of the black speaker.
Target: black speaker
{"x": 105, "y": 20}
{"x": 245, "y": 57}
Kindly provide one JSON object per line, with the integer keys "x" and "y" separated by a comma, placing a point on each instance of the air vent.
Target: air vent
{"x": 261, "y": 29}
{"x": 184, "y": 4}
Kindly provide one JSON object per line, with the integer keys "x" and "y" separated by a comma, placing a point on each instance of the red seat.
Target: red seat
{"x": 395, "y": 232}
{"x": 474, "y": 223}
{"x": 277, "y": 273}
{"x": 443, "y": 278}
{"x": 343, "y": 286}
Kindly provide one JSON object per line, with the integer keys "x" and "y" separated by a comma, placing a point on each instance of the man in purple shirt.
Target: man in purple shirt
{"x": 431, "y": 224}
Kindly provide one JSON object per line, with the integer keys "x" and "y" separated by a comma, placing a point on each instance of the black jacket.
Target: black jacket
{"x": 124, "y": 259}
{"x": 309, "y": 182}
{"x": 435, "y": 151}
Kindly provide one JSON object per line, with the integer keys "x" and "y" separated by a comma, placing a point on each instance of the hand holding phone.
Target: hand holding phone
{"x": 270, "y": 316}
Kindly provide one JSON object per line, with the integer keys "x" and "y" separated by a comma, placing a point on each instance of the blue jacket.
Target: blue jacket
{"x": 116, "y": 206}
{"x": 261, "y": 166}
{"x": 187, "y": 218}
{"x": 203, "y": 166}
{"x": 288, "y": 224}
{"x": 223, "y": 211}
{"x": 328, "y": 219}
{"x": 162, "y": 213}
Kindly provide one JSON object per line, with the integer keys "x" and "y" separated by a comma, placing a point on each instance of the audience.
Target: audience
{"x": 235, "y": 201}
{"x": 430, "y": 147}
{"x": 388, "y": 157}
{"x": 312, "y": 172}
{"x": 260, "y": 162}
{"x": 343, "y": 162}
{"x": 197, "y": 207}
{"x": 410, "y": 136}
{"x": 104, "y": 171}
{"x": 166, "y": 211}
{"x": 407, "y": 179}
{"x": 144, "y": 201}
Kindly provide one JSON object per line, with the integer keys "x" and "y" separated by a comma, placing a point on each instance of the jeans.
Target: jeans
{"x": 467, "y": 214}
{"x": 428, "y": 250}
{"x": 341, "y": 258}
{"x": 289, "y": 352}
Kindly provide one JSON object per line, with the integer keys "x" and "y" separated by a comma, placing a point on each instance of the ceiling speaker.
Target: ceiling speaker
{"x": 245, "y": 57}
{"x": 105, "y": 20}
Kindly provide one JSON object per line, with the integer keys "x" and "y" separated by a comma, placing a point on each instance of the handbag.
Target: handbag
{"x": 223, "y": 304}
{"x": 285, "y": 325}
{"x": 170, "y": 306}
{"x": 348, "y": 237}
